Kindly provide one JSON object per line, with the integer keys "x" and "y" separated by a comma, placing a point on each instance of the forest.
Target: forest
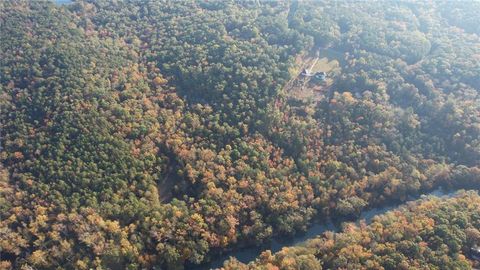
{"x": 150, "y": 134}
{"x": 432, "y": 233}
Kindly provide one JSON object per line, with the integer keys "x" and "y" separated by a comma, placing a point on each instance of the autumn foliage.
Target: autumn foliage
{"x": 141, "y": 134}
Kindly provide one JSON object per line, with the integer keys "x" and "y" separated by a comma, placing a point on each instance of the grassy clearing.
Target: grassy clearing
{"x": 304, "y": 88}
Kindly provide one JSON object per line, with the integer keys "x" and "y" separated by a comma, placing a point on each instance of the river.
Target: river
{"x": 62, "y": 2}
{"x": 248, "y": 254}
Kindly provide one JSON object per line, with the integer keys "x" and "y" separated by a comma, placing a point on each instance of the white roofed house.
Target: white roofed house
{"x": 322, "y": 76}
{"x": 307, "y": 73}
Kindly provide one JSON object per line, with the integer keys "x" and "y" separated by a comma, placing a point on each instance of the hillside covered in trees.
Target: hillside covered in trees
{"x": 431, "y": 233}
{"x": 158, "y": 134}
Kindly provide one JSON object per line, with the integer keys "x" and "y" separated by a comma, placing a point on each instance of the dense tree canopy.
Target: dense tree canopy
{"x": 432, "y": 233}
{"x": 142, "y": 134}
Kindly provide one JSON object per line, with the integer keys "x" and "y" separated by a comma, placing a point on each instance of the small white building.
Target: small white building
{"x": 307, "y": 73}
{"x": 322, "y": 76}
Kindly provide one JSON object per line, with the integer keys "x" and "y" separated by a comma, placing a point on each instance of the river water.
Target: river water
{"x": 62, "y": 2}
{"x": 248, "y": 254}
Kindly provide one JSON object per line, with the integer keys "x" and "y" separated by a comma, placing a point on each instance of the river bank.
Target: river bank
{"x": 248, "y": 254}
